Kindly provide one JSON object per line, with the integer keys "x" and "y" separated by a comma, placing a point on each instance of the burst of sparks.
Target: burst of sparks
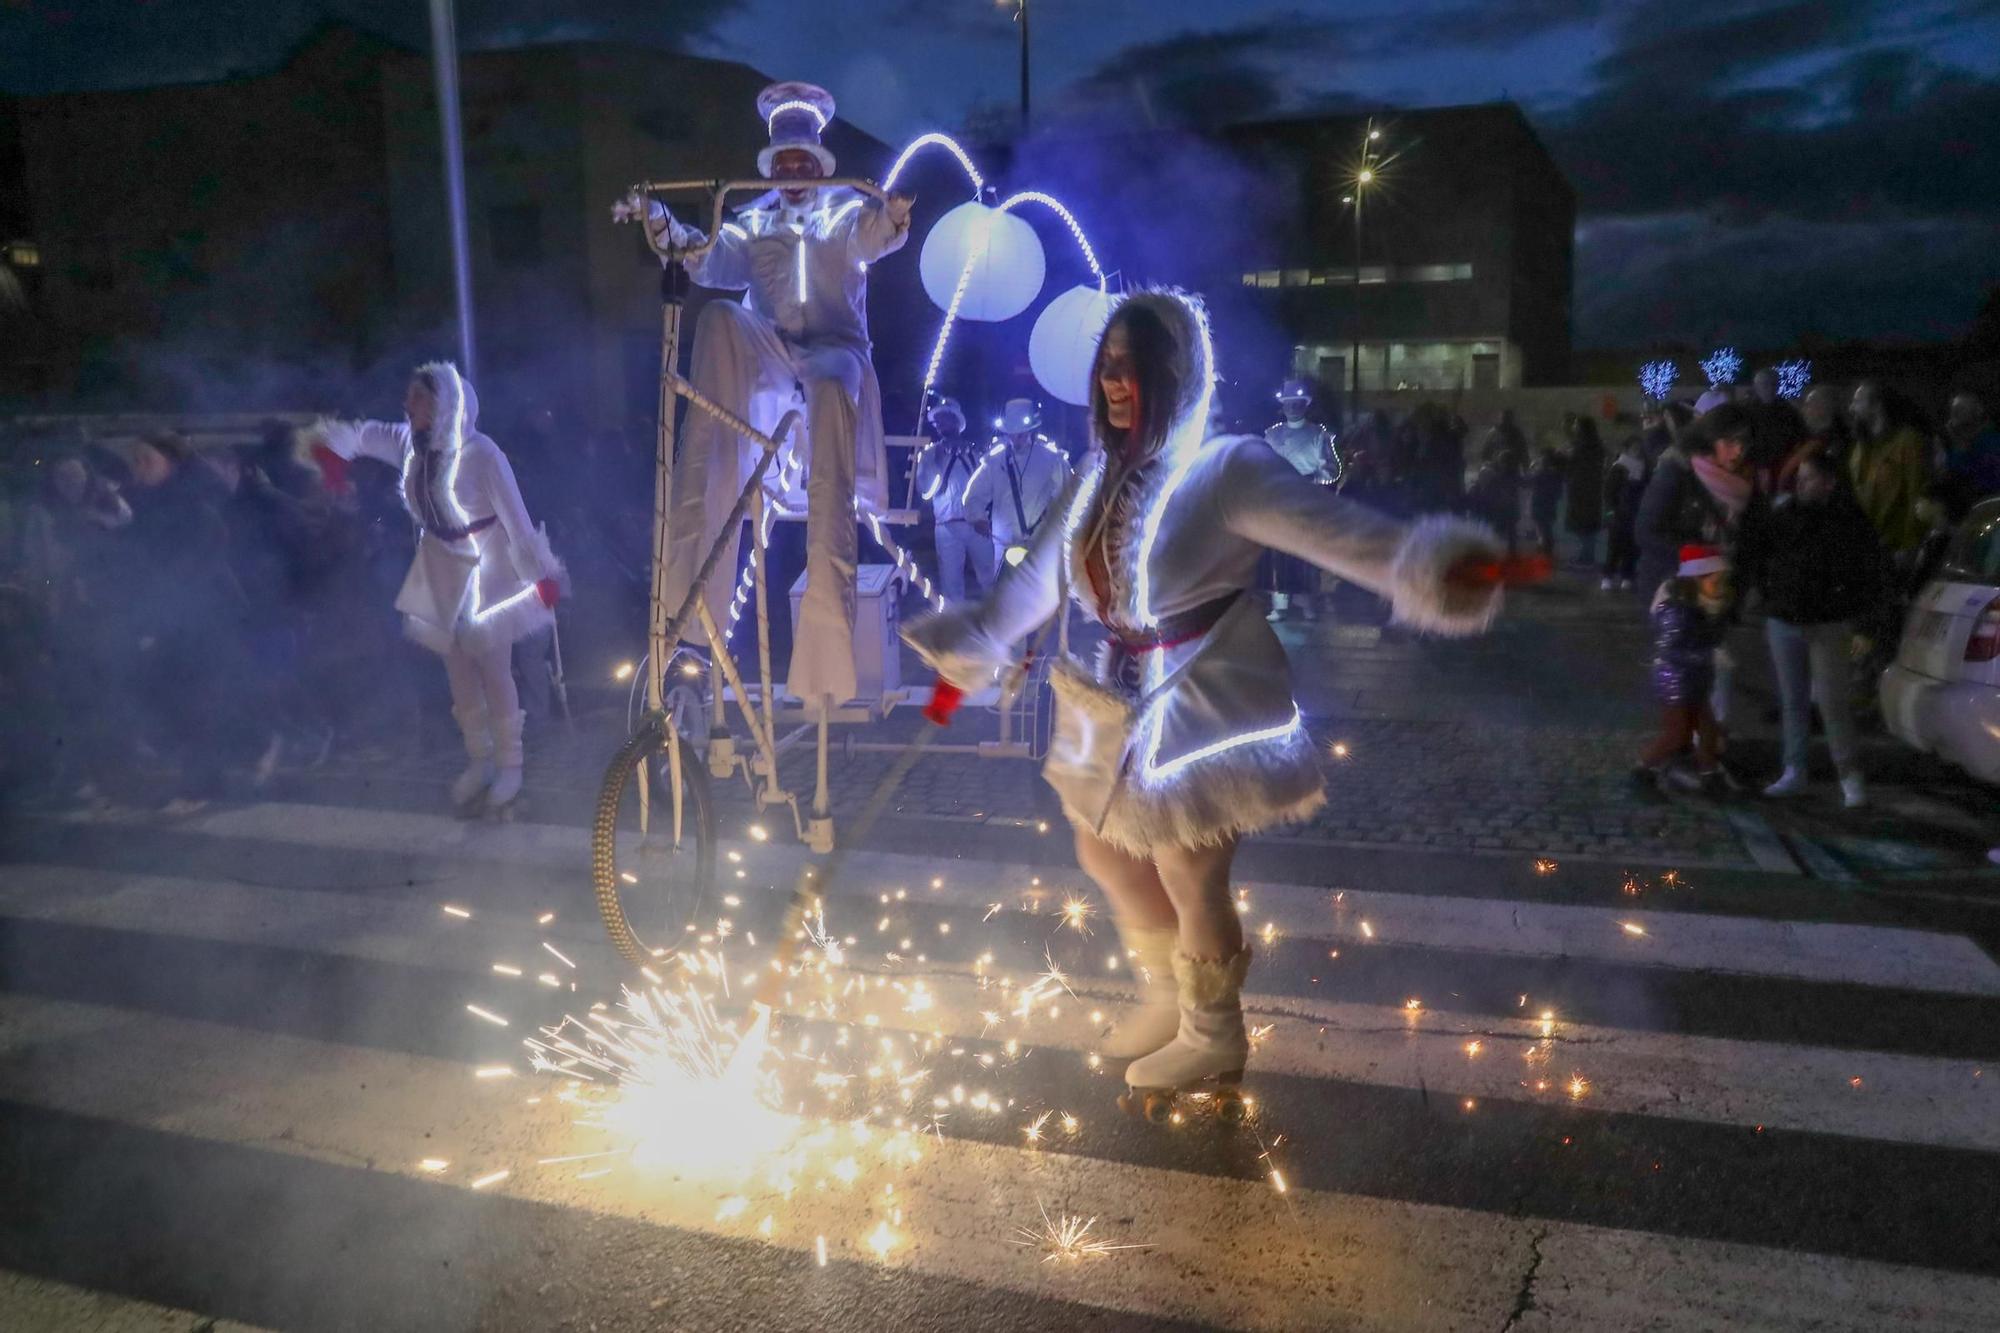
{"x": 1367, "y": 931}
{"x": 1066, "y": 1238}
{"x": 494, "y": 1179}
{"x": 1631, "y": 928}
{"x": 1545, "y": 867}
{"x": 1076, "y": 914}
{"x": 432, "y": 1165}
{"x": 1579, "y": 1087}
{"x": 486, "y": 1014}
{"x": 882, "y": 1240}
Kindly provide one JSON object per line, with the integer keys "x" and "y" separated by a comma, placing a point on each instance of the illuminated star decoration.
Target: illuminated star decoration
{"x": 1657, "y": 378}
{"x": 1793, "y": 377}
{"x": 1722, "y": 366}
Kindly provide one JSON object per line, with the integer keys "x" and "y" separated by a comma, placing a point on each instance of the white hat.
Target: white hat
{"x": 1295, "y": 391}
{"x": 795, "y": 114}
{"x": 1020, "y": 416}
{"x": 947, "y": 407}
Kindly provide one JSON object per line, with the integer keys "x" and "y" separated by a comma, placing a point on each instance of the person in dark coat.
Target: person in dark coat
{"x": 1584, "y": 493}
{"x": 1624, "y": 484}
{"x": 1815, "y": 559}
{"x": 1546, "y": 482}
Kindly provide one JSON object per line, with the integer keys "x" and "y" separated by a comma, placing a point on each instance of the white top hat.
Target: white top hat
{"x": 1295, "y": 391}
{"x": 947, "y": 407}
{"x": 1020, "y": 416}
{"x": 795, "y": 114}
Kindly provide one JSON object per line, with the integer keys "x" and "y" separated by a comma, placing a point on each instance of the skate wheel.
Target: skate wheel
{"x": 1229, "y": 1108}
{"x": 1159, "y": 1107}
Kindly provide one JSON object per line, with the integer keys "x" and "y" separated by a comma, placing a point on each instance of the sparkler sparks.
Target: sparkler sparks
{"x": 1076, "y": 914}
{"x": 1065, "y": 1239}
{"x": 452, "y": 909}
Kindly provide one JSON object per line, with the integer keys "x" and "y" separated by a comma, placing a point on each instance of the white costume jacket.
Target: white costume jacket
{"x": 1220, "y": 749}
{"x": 472, "y": 584}
{"x": 1308, "y": 447}
{"x": 799, "y": 339}
{"x": 1005, "y": 478}
{"x": 944, "y": 470}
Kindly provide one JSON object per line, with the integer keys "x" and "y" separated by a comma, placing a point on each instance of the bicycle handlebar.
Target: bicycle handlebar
{"x": 722, "y": 189}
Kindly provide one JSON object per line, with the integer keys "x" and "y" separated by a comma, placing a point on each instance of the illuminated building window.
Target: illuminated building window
{"x": 1374, "y": 273}
{"x": 24, "y": 254}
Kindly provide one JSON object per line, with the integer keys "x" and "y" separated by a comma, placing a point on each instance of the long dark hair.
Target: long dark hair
{"x": 1155, "y": 363}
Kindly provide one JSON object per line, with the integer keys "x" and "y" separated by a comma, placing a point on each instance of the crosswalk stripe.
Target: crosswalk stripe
{"x": 28, "y": 1302}
{"x": 1227, "y": 1251}
{"x": 1903, "y": 1098}
{"x": 1839, "y": 952}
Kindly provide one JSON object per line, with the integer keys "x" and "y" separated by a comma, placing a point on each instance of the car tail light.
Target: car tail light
{"x": 1984, "y": 645}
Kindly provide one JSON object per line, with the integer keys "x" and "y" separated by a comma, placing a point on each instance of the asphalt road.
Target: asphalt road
{"x": 240, "y": 1084}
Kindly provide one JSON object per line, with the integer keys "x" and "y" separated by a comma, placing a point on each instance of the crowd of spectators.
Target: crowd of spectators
{"x": 180, "y": 622}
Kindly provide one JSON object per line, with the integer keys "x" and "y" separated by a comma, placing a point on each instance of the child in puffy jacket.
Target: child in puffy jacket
{"x": 1690, "y": 618}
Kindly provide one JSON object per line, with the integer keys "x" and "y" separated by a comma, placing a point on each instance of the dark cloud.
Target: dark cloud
{"x": 1208, "y": 76}
{"x": 90, "y": 44}
{"x": 1412, "y": 32}
{"x": 1708, "y": 278}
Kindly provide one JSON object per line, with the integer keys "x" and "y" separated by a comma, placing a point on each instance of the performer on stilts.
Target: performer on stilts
{"x": 799, "y": 339}
{"x": 1309, "y": 448}
{"x": 1017, "y": 481}
{"x": 1185, "y": 736}
{"x": 483, "y": 576}
{"x": 944, "y": 469}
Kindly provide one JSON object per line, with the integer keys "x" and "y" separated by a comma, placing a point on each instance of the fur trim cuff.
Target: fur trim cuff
{"x": 951, "y": 643}
{"x": 1207, "y": 984}
{"x": 1420, "y": 596}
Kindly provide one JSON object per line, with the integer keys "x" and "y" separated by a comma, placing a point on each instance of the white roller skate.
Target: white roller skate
{"x": 1209, "y": 1049}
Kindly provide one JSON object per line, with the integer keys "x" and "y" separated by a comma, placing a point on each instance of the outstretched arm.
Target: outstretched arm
{"x": 878, "y": 228}
{"x": 383, "y": 441}
{"x": 968, "y": 645}
{"x": 1439, "y": 573}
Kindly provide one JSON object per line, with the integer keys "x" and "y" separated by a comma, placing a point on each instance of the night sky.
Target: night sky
{"x": 1750, "y": 172}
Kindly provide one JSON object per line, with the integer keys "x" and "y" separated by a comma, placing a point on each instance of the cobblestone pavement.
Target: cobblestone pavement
{"x": 1517, "y": 742}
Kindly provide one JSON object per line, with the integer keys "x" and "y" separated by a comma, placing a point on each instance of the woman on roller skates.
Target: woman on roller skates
{"x": 483, "y": 576}
{"x": 1185, "y": 736}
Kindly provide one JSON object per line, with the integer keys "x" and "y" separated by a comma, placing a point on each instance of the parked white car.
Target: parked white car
{"x": 1942, "y": 694}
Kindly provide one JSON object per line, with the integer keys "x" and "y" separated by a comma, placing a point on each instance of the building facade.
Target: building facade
{"x": 281, "y": 238}
{"x": 1434, "y": 256}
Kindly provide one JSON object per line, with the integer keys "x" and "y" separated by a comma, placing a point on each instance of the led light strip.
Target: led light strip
{"x": 978, "y": 249}
{"x": 943, "y": 141}
{"x": 819, "y": 116}
{"x": 1181, "y": 449}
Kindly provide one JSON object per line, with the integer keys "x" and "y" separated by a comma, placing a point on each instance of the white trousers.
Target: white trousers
{"x": 958, "y": 545}
{"x": 742, "y": 364}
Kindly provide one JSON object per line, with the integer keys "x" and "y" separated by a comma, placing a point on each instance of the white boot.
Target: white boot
{"x": 478, "y": 775}
{"x": 507, "y": 759}
{"x": 1211, "y": 1042}
{"x": 1157, "y": 1017}
{"x": 1792, "y": 782}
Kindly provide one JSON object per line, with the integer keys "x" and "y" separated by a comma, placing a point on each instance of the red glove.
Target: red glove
{"x": 945, "y": 699}
{"x": 332, "y": 469}
{"x": 1512, "y": 572}
{"x": 549, "y": 591}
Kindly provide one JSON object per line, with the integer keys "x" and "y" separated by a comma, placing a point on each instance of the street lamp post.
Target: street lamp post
{"x": 1021, "y": 17}
{"x": 444, "y": 54}
{"x": 1363, "y": 178}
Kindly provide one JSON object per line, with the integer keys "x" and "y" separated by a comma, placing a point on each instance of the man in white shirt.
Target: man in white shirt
{"x": 944, "y": 469}
{"x": 1017, "y": 481}
{"x": 798, "y": 339}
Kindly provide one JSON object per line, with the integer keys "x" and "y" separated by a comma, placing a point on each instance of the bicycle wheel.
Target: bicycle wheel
{"x": 652, "y": 878}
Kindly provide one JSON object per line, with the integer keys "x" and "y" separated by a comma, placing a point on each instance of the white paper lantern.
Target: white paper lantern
{"x": 1007, "y": 268}
{"x": 1064, "y": 342}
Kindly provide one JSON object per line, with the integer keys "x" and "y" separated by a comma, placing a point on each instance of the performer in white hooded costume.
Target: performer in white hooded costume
{"x": 483, "y": 575}
{"x": 800, "y": 338}
{"x": 1017, "y": 481}
{"x": 1158, "y": 538}
{"x": 1309, "y": 448}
